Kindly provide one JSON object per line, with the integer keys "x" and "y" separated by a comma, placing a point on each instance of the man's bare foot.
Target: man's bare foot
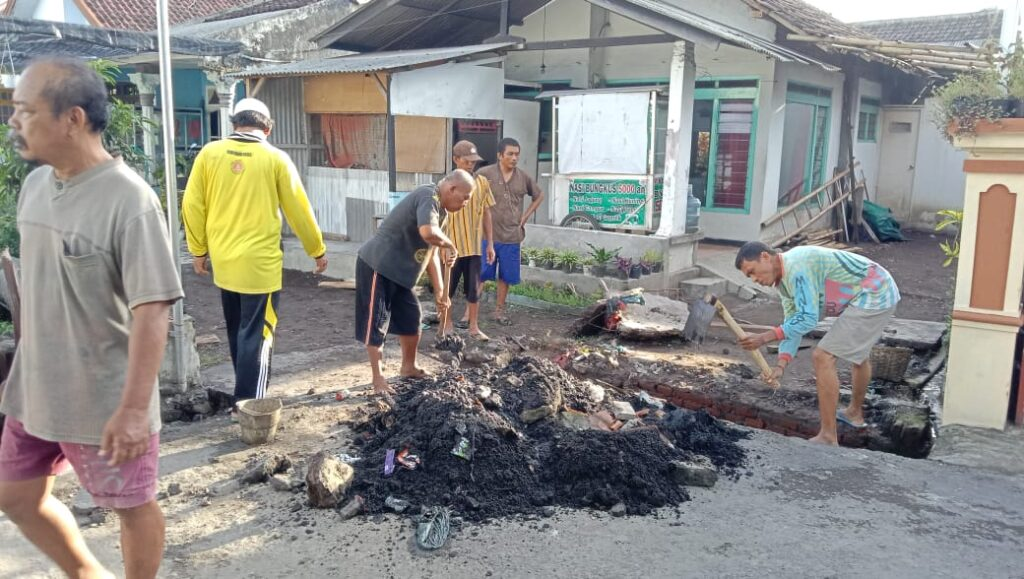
{"x": 825, "y": 440}
{"x": 381, "y": 386}
{"x": 415, "y": 372}
{"x": 855, "y": 418}
{"x": 448, "y": 329}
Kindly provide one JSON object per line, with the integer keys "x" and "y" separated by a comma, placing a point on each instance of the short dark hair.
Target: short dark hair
{"x": 506, "y": 143}
{"x": 751, "y": 251}
{"x": 252, "y": 119}
{"x": 76, "y": 85}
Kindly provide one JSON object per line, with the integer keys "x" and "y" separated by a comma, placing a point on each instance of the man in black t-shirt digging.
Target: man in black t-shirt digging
{"x": 391, "y": 263}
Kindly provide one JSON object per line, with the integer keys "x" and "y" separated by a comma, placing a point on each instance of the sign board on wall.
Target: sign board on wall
{"x": 616, "y": 201}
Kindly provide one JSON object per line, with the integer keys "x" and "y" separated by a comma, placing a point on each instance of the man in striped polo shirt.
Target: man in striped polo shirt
{"x": 470, "y": 231}
{"x": 815, "y": 282}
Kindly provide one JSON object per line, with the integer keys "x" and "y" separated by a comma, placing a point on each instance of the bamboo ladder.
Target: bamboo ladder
{"x": 830, "y": 196}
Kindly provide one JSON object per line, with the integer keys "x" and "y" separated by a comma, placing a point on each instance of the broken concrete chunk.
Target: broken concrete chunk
{"x": 276, "y": 464}
{"x": 224, "y": 488}
{"x": 619, "y": 510}
{"x": 483, "y": 392}
{"x": 174, "y": 489}
{"x": 281, "y": 483}
{"x": 595, "y": 393}
{"x": 327, "y": 480}
{"x": 645, "y": 400}
{"x": 574, "y": 420}
{"x": 697, "y": 472}
{"x": 623, "y": 411}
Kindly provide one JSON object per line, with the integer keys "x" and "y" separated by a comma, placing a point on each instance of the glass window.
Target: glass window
{"x": 867, "y": 121}
{"x": 722, "y": 149}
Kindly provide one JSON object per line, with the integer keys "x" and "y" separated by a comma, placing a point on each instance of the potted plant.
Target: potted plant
{"x": 652, "y": 260}
{"x": 529, "y": 256}
{"x": 548, "y": 258}
{"x": 586, "y": 264}
{"x": 623, "y": 267}
{"x": 569, "y": 260}
{"x": 601, "y": 257}
{"x": 967, "y": 99}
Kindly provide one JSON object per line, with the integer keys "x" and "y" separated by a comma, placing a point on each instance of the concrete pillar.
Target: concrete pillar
{"x": 147, "y": 85}
{"x": 682, "y": 75}
{"x": 225, "y": 89}
{"x": 990, "y": 272}
{"x": 599, "y": 22}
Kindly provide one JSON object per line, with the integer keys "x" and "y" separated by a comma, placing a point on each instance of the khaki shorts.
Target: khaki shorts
{"x": 855, "y": 332}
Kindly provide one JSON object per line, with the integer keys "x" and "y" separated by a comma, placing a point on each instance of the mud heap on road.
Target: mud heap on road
{"x": 528, "y": 437}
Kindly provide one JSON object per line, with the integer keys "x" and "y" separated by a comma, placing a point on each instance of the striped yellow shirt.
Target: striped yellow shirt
{"x": 465, "y": 227}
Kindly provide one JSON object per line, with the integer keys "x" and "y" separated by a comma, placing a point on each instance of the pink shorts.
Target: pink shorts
{"x": 125, "y": 486}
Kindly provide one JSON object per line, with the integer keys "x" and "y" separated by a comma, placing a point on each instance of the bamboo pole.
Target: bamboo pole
{"x": 799, "y": 202}
{"x": 868, "y": 43}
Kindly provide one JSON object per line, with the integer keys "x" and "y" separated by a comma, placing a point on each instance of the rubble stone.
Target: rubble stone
{"x": 619, "y": 510}
{"x": 281, "y": 483}
{"x": 327, "y": 480}
{"x": 623, "y": 411}
{"x": 697, "y": 472}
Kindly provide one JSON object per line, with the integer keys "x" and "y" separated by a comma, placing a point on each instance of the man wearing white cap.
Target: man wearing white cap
{"x": 236, "y": 193}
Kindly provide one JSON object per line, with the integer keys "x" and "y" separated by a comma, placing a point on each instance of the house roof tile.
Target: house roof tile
{"x": 974, "y": 28}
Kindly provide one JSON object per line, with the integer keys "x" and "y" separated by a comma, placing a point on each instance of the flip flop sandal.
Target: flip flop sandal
{"x": 503, "y": 321}
{"x": 842, "y": 418}
{"x": 481, "y": 337}
{"x": 462, "y": 325}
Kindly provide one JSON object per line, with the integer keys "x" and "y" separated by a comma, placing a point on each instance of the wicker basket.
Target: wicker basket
{"x": 890, "y": 362}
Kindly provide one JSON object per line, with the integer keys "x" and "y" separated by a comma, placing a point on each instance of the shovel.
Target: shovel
{"x": 451, "y": 343}
{"x": 703, "y": 311}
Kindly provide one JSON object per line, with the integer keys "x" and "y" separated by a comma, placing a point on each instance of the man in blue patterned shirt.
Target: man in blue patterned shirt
{"x": 815, "y": 282}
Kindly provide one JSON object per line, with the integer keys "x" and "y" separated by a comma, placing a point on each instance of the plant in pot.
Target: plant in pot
{"x": 529, "y": 256}
{"x": 569, "y": 261}
{"x": 548, "y": 258}
{"x": 623, "y": 267}
{"x": 970, "y": 97}
{"x": 601, "y": 257}
{"x": 586, "y": 265}
{"x": 652, "y": 261}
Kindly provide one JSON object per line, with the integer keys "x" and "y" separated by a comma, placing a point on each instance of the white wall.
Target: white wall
{"x": 464, "y": 91}
{"x": 50, "y": 10}
{"x": 868, "y": 153}
{"x": 939, "y": 178}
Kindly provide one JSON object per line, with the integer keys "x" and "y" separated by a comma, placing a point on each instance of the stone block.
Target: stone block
{"x": 327, "y": 480}
{"x": 623, "y": 411}
{"x": 698, "y": 472}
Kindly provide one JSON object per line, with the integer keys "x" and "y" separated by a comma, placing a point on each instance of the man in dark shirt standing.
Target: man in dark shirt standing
{"x": 391, "y": 263}
{"x": 510, "y": 185}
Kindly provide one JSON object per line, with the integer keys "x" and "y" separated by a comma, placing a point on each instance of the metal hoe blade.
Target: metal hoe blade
{"x": 699, "y": 320}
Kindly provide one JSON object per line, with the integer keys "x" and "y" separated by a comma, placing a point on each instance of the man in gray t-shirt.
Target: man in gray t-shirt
{"x": 98, "y": 280}
{"x": 391, "y": 263}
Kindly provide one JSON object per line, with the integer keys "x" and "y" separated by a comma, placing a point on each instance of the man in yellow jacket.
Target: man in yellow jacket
{"x": 232, "y": 208}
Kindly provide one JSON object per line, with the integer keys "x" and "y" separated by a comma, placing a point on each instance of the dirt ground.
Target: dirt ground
{"x": 219, "y": 528}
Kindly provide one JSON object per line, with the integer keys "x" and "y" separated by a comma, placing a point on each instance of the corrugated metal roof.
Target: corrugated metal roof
{"x": 377, "y": 61}
{"x": 682, "y": 23}
{"x": 411, "y": 24}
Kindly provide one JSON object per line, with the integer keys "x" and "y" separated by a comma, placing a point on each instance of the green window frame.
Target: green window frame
{"x": 716, "y": 90}
{"x": 867, "y": 120}
{"x": 821, "y": 99}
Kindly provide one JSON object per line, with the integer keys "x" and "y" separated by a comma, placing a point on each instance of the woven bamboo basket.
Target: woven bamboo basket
{"x": 890, "y": 362}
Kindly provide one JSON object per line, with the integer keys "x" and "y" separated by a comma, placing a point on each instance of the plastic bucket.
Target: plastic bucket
{"x": 259, "y": 419}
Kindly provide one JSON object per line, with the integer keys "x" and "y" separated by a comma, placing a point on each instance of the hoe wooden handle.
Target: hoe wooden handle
{"x": 736, "y": 329}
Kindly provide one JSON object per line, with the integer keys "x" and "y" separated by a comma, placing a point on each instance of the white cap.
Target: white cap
{"x": 254, "y": 105}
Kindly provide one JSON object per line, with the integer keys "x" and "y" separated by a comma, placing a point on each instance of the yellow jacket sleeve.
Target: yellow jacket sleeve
{"x": 193, "y": 208}
{"x": 296, "y": 208}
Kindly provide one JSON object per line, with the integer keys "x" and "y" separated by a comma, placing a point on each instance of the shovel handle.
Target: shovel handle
{"x": 736, "y": 329}
{"x": 447, "y": 282}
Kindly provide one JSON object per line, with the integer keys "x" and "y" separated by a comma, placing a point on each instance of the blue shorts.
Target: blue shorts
{"x": 506, "y": 263}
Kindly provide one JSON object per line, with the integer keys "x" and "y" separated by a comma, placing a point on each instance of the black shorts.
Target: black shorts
{"x": 383, "y": 305}
{"x": 468, "y": 270}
